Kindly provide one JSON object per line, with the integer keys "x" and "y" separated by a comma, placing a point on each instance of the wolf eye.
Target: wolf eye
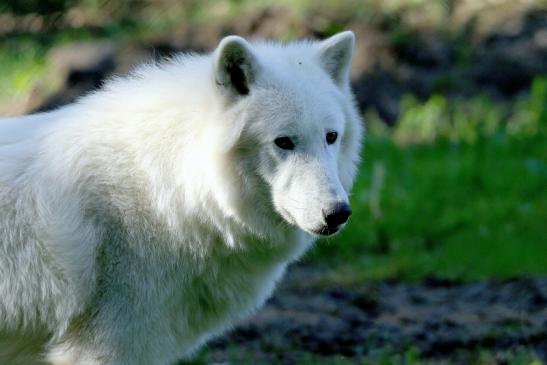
{"x": 284, "y": 143}
{"x": 331, "y": 137}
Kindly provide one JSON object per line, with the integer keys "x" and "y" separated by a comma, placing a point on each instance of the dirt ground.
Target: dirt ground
{"x": 438, "y": 320}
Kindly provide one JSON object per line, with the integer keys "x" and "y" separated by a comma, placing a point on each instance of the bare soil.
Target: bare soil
{"x": 440, "y": 320}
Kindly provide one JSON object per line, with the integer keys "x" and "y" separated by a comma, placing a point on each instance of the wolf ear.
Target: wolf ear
{"x": 336, "y": 54}
{"x": 235, "y": 66}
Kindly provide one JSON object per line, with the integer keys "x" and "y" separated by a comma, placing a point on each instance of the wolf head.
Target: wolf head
{"x": 294, "y": 130}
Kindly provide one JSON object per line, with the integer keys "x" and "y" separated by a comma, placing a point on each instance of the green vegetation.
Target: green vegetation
{"x": 456, "y": 190}
{"x": 22, "y": 63}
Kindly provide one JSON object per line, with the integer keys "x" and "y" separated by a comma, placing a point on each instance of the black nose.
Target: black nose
{"x": 338, "y": 215}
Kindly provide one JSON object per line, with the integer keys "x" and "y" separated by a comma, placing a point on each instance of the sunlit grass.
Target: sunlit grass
{"x": 21, "y": 64}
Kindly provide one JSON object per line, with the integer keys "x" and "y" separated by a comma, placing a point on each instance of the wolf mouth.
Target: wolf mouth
{"x": 327, "y": 231}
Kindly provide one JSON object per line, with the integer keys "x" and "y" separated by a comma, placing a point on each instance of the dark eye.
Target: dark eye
{"x": 284, "y": 143}
{"x": 331, "y": 137}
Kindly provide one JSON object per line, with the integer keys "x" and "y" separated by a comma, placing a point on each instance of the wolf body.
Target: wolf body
{"x": 153, "y": 214}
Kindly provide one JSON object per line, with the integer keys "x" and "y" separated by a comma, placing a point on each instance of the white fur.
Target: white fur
{"x": 152, "y": 214}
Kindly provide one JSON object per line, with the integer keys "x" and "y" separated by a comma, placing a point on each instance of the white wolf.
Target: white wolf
{"x": 153, "y": 214}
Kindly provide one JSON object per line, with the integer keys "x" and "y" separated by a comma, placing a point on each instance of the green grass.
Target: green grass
{"x": 457, "y": 211}
{"x": 460, "y": 210}
{"x": 22, "y": 63}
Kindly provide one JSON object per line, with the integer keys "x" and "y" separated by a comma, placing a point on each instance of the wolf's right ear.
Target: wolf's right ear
{"x": 336, "y": 54}
{"x": 235, "y": 66}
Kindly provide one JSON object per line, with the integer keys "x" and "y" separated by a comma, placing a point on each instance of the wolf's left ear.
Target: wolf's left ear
{"x": 336, "y": 54}
{"x": 235, "y": 66}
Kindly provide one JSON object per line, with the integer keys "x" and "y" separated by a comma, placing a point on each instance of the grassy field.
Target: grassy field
{"x": 464, "y": 196}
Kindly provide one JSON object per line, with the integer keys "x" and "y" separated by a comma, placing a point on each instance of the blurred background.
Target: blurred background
{"x": 444, "y": 260}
